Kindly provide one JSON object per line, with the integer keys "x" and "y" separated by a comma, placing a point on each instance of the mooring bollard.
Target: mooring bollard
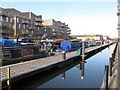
{"x": 113, "y": 56}
{"x": 63, "y": 55}
{"x": 106, "y": 75}
{"x": 111, "y": 65}
{"x": 8, "y": 81}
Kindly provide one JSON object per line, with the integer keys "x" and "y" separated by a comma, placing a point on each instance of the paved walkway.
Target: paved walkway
{"x": 112, "y": 80}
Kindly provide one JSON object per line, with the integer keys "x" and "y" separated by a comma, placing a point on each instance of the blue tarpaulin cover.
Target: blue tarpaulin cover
{"x": 7, "y": 42}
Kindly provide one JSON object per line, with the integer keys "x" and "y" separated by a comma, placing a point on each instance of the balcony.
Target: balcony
{"x": 54, "y": 34}
{"x": 5, "y": 14}
{"x": 31, "y": 28}
{"x": 38, "y": 20}
{"x": 62, "y": 26}
{"x": 38, "y": 24}
{"x": 5, "y": 25}
{"x": 25, "y": 21}
{"x": 54, "y": 31}
{"x": 69, "y": 30}
{"x": 68, "y": 33}
{"x": 118, "y": 14}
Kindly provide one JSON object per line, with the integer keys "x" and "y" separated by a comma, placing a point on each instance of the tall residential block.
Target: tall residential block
{"x": 14, "y": 24}
{"x": 56, "y": 29}
{"x": 118, "y": 14}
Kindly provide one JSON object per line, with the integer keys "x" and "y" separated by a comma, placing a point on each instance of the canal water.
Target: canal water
{"x": 93, "y": 73}
{"x": 78, "y": 75}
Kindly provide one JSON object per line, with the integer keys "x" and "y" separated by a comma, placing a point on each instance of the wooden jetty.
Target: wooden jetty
{"x": 24, "y": 69}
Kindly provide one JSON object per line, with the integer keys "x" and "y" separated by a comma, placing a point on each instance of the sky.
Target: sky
{"x": 83, "y": 17}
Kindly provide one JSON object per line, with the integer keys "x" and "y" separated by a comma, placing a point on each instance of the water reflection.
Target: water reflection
{"x": 63, "y": 76}
{"x": 82, "y": 73}
{"x": 70, "y": 75}
{"x": 81, "y": 67}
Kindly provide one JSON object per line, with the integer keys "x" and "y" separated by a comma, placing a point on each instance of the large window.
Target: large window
{"x": 0, "y": 23}
{"x": 1, "y": 18}
{"x": 17, "y": 19}
{"x": 7, "y": 19}
{"x": 11, "y": 20}
{"x": 27, "y": 26}
{"x": 24, "y": 26}
{"x": 19, "y": 25}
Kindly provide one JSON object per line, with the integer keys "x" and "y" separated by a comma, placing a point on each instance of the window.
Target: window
{"x": 38, "y": 28}
{"x": 45, "y": 30}
{"x": 31, "y": 22}
{"x": 1, "y": 18}
{"x": 17, "y": 19}
{"x": 7, "y": 19}
{"x": 27, "y": 26}
{"x": 19, "y": 25}
{"x": 0, "y": 23}
{"x": 24, "y": 26}
{"x": 11, "y": 20}
{"x": 32, "y": 32}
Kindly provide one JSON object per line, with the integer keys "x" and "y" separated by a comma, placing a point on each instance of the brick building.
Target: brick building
{"x": 14, "y": 24}
{"x": 56, "y": 29}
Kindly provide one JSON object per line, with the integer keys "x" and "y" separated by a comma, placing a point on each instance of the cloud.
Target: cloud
{"x": 105, "y": 25}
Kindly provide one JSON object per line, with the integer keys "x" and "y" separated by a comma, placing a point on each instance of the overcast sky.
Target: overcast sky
{"x": 93, "y": 17}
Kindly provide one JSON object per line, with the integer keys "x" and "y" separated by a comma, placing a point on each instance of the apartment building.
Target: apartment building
{"x": 14, "y": 24}
{"x": 56, "y": 29}
{"x": 118, "y": 14}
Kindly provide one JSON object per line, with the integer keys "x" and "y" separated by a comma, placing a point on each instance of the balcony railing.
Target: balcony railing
{"x": 4, "y": 14}
{"x": 31, "y": 28}
{"x": 25, "y": 21}
{"x": 38, "y": 24}
{"x": 38, "y": 20}
{"x": 118, "y": 14}
{"x": 5, "y": 25}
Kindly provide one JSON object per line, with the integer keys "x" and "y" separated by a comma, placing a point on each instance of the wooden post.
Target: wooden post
{"x": 111, "y": 65}
{"x": 106, "y": 75}
{"x": 83, "y": 50}
{"x": 63, "y": 55}
{"x": 8, "y": 81}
